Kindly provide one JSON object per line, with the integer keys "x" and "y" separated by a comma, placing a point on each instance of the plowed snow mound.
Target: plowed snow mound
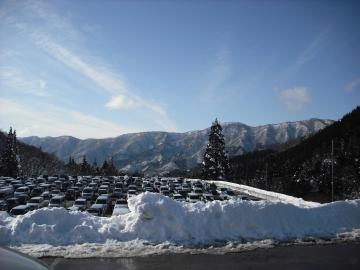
{"x": 156, "y": 219}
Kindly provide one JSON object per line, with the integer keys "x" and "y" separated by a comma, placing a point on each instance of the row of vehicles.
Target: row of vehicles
{"x": 100, "y": 196}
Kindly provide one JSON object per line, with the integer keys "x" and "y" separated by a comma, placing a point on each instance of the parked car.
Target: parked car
{"x": 120, "y": 208}
{"x": 178, "y": 197}
{"x": 36, "y": 203}
{"x": 88, "y": 193}
{"x": 193, "y": 198}
{"x": 79, "y": 205}
{"x": 57, "y": 201}
{"x": 21, "y": 190}
{"x": 131, "y": 193}
{"x": 19, "y": 210}
{"x": 96, "y": 210}
{"x": 46, "y": 195}
{"x": 11, "y": 203}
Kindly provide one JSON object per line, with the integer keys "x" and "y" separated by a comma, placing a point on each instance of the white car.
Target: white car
{"x": 120, "y": 208}
{"x": 79, "y": 205}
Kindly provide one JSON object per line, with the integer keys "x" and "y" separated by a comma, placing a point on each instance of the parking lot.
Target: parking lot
{"x": 101, "y": 196}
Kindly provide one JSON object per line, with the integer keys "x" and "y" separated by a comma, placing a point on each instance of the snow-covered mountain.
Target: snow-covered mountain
{"x": 159, "y": 152}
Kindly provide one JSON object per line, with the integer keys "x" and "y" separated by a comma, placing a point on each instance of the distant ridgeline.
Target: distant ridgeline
{"x": 305, "y": 168}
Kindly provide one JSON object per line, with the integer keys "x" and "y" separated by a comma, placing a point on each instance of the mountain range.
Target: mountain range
{"x": 163, "y": 152}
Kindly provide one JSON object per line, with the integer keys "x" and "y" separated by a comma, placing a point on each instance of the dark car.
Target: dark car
{"x": 23, "y": 198}
{"x": 70, "y": 194}
{"x": 11, "y": 203}
{"x": 19, "y": 210}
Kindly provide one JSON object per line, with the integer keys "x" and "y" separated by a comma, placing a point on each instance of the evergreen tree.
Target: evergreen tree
{"x": 85, "y": 167}
{"x": 215, "y": 163}
{"x": 104, "y": 168}
{"x": 9, "y": 159}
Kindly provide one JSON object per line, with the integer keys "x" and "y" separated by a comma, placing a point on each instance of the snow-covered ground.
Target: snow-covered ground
{"x": 158, "y": 224}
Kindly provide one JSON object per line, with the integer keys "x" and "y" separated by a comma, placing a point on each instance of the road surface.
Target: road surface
{"x": 336, "y": 256}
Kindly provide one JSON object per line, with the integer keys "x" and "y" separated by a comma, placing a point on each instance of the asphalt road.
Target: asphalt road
{"x": 336, "y": 256}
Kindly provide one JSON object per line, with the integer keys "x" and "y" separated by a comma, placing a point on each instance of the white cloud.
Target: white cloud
{"x": 120, "y": 102}
{"x": 295, "y": 99}
{"x": 354, "y": 84}
{"x": 48, "y": 120}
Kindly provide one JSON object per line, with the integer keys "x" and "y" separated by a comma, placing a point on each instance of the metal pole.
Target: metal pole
{"x": 266, "y": 176}
{"x": 332, "y": 170}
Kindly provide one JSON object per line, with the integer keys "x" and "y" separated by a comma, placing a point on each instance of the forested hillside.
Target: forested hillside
{"x": 33, "y": 161}
{"x": 306, "y": 167}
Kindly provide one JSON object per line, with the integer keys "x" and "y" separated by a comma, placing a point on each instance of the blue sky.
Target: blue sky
{"x": 96, "y": 69}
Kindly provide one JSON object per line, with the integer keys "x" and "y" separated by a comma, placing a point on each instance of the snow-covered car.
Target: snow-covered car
{"x": 79, "y": 205}
{"x": 36, "y": 203}
{"x": 120, "y": 208}
{"x": 19, "y": 210}
{"x": 57, "y": 201}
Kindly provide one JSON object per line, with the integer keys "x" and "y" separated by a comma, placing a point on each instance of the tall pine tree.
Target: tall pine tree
{"x": 215, "y": 162}
{"x": 9, "y": 159}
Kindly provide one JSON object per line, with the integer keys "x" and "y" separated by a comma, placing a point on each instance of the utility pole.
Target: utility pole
{"x": 266, "y": 176}
{"x": 332, "y": 170}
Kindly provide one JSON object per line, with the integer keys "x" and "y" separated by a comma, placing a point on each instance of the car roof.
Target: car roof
{"x": 58, "y": 197}
{"x": 22, "y": 206}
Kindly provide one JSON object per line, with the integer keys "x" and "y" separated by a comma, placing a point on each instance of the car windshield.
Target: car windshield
{"x": 55, "y": 201}
{"x": 194, "y": 197}
{"x": 80, "y": 202}
{"x": 33, "y": 200}
{"x": 121, "y": 202}
{"x": 93, "y": 210}
{"x": 101, "y": 201}
{"x": 87, "y": 190}
{"x": 18, "y": 211}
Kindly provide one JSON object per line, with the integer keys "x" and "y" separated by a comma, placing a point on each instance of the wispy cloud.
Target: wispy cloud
{"x": 354, "y": 84}
{"x": 219, "y": 73}
{"x": 307, "y": 54}
{"x": 295, "y": 99}
{"x": 48, "y": 120}
{"x": 50, "y": 35}
{"x": 12, "y": 79}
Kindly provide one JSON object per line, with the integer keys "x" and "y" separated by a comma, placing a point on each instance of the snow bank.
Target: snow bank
{"x": 158, "y": 219}
{"x": 264, "y": 194}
